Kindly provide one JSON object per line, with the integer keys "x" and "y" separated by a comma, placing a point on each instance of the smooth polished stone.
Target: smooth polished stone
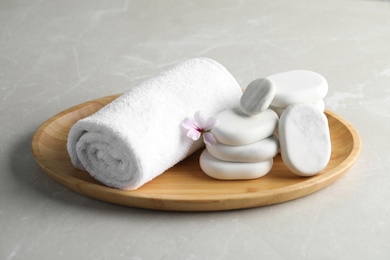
{"x": 304, "y": 139}
{"x": 320, "y": 105}
{"x": 236, "y": 128}
{"x": 260, "y": 151}
{"x": 223, "y": 170}
{"x": 257, "y": 96}
{"x": 298, "y": 86}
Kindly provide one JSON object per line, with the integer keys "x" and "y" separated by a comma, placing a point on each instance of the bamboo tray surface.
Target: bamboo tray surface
{"x": 185, "y": 187}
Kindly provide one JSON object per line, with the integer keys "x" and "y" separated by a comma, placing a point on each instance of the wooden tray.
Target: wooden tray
{"x": 185, "y": 187}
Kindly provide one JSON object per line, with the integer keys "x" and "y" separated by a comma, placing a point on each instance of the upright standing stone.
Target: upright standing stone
{"x": 257, "y": 96}
{"x": 304, "y": 139}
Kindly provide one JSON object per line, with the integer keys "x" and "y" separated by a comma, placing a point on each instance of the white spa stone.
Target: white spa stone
{"x": 298, "y": 86}
{"x": 320, "y": 105}
{"x": 304, "y": 139}
{"x": 257, "y": 96}
{"x": 260, "y": 151}
{"x": 236, "y": 128}
{"x": 223, "y": 170}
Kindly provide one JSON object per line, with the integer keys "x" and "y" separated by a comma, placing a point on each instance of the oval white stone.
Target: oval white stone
{"x": 298, "y": 86}
{"x": 232, "y": 170}
{"x": 320, "y": 105}
{"x": 236, "y": 128}
{"x": 257, "y": 96}
{"x": 304, "y": 139}
{"x": 260, "y": 151}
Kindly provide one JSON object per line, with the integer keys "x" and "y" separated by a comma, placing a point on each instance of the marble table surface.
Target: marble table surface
{"x": 56, "y": 54}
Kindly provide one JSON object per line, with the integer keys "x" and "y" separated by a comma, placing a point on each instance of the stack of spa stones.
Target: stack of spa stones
{"x": 245, "y": 134}
{"x": 249, "y": 136}
{"x": 303, "y": 131}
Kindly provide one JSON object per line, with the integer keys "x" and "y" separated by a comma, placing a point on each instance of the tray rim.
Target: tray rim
{"x": 307, "y": 186}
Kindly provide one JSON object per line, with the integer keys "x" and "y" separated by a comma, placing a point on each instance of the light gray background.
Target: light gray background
{"x": 56, "y": 54}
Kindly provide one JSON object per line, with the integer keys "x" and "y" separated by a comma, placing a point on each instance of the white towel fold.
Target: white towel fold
{"x": 138, "y": 136}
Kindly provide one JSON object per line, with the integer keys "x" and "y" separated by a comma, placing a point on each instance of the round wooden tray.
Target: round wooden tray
{"x": 185, "y": 187}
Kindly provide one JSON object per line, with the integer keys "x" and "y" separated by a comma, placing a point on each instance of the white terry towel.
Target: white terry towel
{"x": 138, "y": 136}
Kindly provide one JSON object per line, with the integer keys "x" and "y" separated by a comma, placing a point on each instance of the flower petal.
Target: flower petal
{"x": 188, "y": 123}
{"x": 209, "y": 138}
{"x": 193, "y": 134}
{"x": 199, "y": 120}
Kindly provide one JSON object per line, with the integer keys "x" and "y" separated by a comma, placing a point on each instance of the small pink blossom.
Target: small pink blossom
{"x": 198, "y": 126}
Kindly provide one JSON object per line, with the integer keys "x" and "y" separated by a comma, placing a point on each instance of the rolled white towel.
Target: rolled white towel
{"x": 138, "y": 136}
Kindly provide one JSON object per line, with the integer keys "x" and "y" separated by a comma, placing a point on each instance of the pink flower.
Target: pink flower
{"x": 198, "y": 126}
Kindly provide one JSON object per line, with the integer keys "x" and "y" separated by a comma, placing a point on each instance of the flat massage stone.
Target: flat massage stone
{"x": 304, "y": 139}
{"x": 257, "y": 97}
{"x": 236, "y": 128}
{"x": 279, "y": 110}
{"x": 260, "y": 151}
{"x": 232, "y": 170}
{"x": 298, "y": 86}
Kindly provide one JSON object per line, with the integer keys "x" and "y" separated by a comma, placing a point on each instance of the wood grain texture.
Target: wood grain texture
{"x": 185, "y": 187}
